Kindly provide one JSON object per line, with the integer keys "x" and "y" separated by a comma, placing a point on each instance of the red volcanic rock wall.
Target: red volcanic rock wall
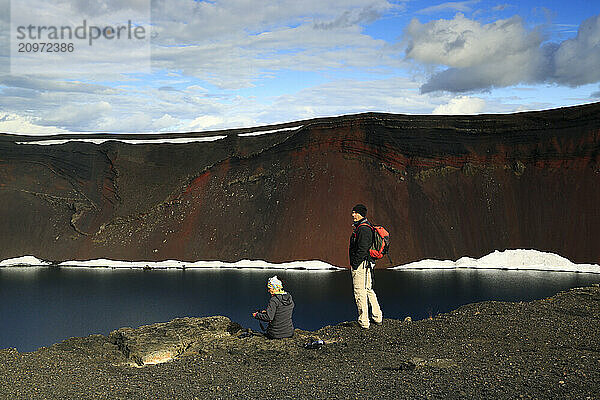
{"x": 445, "y": 187}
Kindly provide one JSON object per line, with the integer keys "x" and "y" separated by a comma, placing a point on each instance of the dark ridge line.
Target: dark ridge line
{"x": 366, "y": 116}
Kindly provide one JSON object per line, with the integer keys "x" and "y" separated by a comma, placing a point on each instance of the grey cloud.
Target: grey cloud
{"x": 102, "y": 7}
{"x": 23, "y": 82}
{"x": 231, "y": 45}
{"x": 192, "y": 22}
{"x": 502, "y": 54}
{"x": 457, "y": 81}
{"x": 72, "y": 116}
{"x": 501, "y": 7}
{"x": 4, "y": 36}
{"x": 459, "y": 43}
{"x": 232, "y": 63}
{"x": 463, "y": 6}
{"x": 576, "y": 60}
{"x": 5, "y": 14}
{"x": 19, "y": 93}
{"x": 350, "y": 18}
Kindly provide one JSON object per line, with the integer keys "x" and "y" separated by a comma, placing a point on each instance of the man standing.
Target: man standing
{"x": 360, "y": 261}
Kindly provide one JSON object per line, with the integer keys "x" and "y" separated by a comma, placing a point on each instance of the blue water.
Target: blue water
{"x": 42, "y": 306}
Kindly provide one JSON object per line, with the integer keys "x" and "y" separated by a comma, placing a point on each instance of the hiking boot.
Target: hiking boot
{"x": 353, "y": 324}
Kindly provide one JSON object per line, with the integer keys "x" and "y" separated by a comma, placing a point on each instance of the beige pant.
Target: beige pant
{"x": 364, "y": 295}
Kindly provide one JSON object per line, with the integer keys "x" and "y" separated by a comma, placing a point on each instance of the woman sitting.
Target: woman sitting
{"x": 279, "y": 311}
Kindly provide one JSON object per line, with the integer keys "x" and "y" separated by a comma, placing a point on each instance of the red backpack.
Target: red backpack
{"x": 381, "y": 241}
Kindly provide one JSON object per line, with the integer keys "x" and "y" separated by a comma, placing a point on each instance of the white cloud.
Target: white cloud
{"x": 577, "y": 60}
{"x": 166, "y": 122}
{"x": 204, "y": 122}
{"x": 462, "y": 42}
{"x": 232, "y": 43}
{"x": 127, "y": 52}
{"x": 133, "y": 122}
{"x": 502, "y": 53}
{"x": 461, "y": 105}
{"x": 242, "y": 50}
{"x": 191, "y": 22}
{"x": 16, "y": 124}
{"x": 394, "y": 95}
{"x": 76, "y": 115}
{"x": 228, "y": 119}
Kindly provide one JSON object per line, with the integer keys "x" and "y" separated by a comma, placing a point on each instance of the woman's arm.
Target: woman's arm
{"x": 269, "y": 313}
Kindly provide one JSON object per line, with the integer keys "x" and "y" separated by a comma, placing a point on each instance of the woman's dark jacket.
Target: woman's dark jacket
{"x": 279, "y": 316}
{"x": 360, "y": 243}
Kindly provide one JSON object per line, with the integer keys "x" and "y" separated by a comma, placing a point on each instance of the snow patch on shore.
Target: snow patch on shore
{"x": 169, "y": 264}
{"x": 24, "y": 261}
{"x": 508, "y": 259}
{"x": 518, "y": 259}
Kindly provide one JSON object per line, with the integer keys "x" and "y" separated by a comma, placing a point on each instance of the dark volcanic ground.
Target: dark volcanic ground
{"x": 546, "y": 349}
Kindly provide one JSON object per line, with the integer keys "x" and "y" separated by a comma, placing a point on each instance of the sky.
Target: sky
{"x": 209, "y": 65}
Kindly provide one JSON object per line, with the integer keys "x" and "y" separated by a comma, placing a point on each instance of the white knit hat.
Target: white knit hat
{"x": 274, "y": 283}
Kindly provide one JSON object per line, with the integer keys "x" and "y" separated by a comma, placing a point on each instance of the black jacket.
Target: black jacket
{"x": 360, "y": 243}
{"x": 279, "y": 316}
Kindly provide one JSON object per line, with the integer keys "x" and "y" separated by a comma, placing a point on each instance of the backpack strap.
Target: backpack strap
{"x": 365, "y": 223}
{"x": 369, "y": 258}
{"x": 355, "y": 230}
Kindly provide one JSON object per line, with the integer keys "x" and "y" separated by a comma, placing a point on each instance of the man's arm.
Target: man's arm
{"x": 364, "y": 240}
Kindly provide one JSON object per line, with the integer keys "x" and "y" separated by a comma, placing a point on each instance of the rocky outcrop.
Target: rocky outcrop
{"x": 194, "y": 337}
{"x": 162, "y": 342}
{"x": 444, "y": 186}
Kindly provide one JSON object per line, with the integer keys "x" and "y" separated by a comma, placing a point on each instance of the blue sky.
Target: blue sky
{"x": 238, "y": 63}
